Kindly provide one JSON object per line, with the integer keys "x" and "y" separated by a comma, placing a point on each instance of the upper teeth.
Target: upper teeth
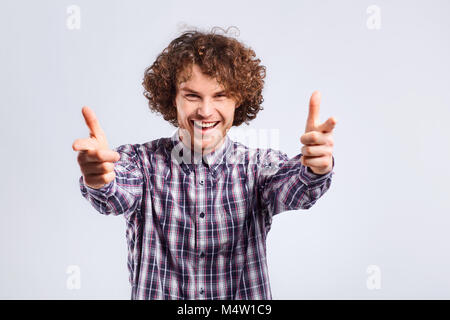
{"x": 204, "y": 124}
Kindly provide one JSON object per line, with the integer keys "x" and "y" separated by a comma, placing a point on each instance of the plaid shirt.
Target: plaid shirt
{"x": 197, "y": 227}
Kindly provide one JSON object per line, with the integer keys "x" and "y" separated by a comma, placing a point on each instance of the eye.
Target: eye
{"x": 191, "y": 96}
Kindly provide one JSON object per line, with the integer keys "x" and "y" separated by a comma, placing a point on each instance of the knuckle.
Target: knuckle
{"x": 109, "y": 177}
{"x": 104, "y": 178}
{"x": 107, "y": 167}
{"x": 330, "y": 142}
{"x": 97, "y": 154}
{"x": 303, "y": 139}
{"x": 80, "y": 158}
{"x": 104, "y": 167}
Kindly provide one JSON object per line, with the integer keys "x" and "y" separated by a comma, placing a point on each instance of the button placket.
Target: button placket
{"x": 202, "y": 192}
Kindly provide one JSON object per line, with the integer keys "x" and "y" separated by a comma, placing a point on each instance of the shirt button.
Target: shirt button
{"x": 202, "y": 254}
{"x": 202, "y": 215}
{"x": 202, "y": 291}
{"x": 201, "y": 182}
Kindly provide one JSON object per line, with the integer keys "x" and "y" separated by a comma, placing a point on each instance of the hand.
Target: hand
{"x": 317, "y": 152}
{"x": 95, "y": 158}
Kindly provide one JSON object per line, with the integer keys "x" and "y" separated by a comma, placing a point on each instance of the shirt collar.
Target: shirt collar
{"x": 211, "y": 160}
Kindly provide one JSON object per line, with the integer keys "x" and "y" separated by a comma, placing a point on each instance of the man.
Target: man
{"x": 198, "y": 205}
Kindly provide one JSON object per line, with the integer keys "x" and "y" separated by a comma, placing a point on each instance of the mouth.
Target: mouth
{"x": 207, "y": 126}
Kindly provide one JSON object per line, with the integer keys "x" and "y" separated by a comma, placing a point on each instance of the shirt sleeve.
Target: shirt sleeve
{"x": 124, "y": 194}
{"x": 285, "y": 184}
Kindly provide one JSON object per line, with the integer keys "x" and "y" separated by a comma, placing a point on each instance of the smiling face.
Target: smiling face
{"x": 205, "y": 112}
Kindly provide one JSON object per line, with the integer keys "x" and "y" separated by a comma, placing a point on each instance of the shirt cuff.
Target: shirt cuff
{"x": 100, "y": 194}
{"x": 308, "y": 177}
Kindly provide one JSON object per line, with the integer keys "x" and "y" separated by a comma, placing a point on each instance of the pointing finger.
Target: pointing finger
{"x": 313, "y": 116}
{"x": 91, "y": 121}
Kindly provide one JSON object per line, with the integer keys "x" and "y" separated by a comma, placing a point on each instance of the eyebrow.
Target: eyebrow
{"x": 193, "y": 91}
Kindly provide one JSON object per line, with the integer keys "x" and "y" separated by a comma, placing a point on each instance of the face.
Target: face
{"x": 205, "y": 112}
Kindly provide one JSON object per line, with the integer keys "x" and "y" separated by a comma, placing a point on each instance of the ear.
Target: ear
{"x": 174, "y": 102}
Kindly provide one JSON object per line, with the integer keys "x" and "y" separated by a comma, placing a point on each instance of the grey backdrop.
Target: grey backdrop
{"x": 388, "y": 204}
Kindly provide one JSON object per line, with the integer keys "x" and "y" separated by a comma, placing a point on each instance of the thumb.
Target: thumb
{"x": 328, "y": 125}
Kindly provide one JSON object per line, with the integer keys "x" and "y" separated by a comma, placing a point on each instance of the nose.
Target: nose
{"x": 205, "y": 109}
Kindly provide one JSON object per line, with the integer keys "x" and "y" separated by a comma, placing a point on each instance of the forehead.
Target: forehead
{"x": 193, "y": 78}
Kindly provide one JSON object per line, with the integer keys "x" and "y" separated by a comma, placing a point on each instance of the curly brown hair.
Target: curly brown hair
{"x": 222, "y": 57}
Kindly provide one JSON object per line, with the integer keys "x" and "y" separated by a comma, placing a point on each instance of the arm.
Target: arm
{"x": 285, "y": 184}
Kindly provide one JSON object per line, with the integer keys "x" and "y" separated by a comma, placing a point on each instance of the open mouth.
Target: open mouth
{"x": 205, "y": 128}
